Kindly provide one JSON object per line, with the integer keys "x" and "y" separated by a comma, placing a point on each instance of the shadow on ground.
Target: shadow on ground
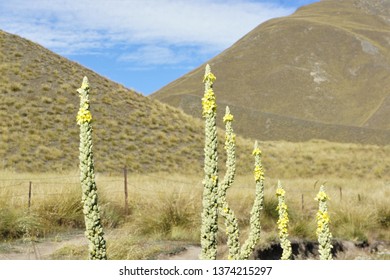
{"x": 304, "y": 250}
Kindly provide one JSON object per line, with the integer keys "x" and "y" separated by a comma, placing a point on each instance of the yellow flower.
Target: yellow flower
{"x": 256, "y": 152}
{"x": 322, "y": 196}
{"x": 259, "y": 174}
{"x": 280, "y": 192}
{"x": 282, "y": 206}
{"x": 283, "y": 222}
{"x": 83, "y": 116}
{"x": 323, "y": 220}
{"x": 230, "y": 138}
{"x": 208, "y": 102}
{"x": 323, "y": 216}
{"x": 209, "y": 77}
{"x": 228, "y": 118}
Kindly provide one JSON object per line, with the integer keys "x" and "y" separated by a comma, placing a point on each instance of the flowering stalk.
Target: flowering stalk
{"x": 209, "y": 226}
{"x": 214, "y": 194}
{"x": 94, "y": 229}
{"x": 283, "y": 223}
{"x": 231, "y": 223}
{"x": 323, "y": 232}
{"x": 255, "y": 227}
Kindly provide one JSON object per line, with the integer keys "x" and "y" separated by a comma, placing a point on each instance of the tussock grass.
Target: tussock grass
{"x": 296, "y": 89}
{"x": 71, "y": 252}
{"x": 39, "y": 103}
{"x": 133, "y": 130}
{"x": 166, "y": 208}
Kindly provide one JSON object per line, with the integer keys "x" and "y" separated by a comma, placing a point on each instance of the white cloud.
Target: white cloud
{"x": 149, "y": 55}
{"x": 89, "y": 25}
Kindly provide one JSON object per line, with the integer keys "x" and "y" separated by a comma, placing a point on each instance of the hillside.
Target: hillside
{"x": 38, "y": 131}
{"x": 38, "y": 108}
{"x": 322, "y": 73}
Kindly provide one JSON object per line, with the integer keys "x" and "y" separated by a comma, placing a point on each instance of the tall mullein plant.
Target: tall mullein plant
{"x": 231, "y": 223}
{"x": 209, "y": 226}
{"x": 323, "y": 231}
{"x": 94, "y": 229}
{"x": 255, "y": 226}
{"x": 214, "y": 194}
{"x": 232, "y": 231}
{"x": 283, "y": 223}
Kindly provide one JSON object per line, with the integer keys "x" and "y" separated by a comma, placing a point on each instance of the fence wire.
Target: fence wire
{"x": 12, "y": 188}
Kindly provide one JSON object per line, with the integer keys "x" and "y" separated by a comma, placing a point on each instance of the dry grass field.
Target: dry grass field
{"x": 164, "y": 211}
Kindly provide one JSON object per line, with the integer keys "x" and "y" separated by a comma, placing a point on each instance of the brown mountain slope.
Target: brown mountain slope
{"x": 38, "y": 131}
{"x": 38, "y": 110}
{"x": 323, "y": 72}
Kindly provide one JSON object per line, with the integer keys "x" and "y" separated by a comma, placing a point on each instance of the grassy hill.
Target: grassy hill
{"x": 38, "y": 111}
{"x": 38, "y": 130}
{"x": 322, "y": 72}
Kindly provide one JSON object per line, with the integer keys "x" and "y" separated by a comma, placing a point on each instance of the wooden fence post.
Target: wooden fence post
{"x": 126, "y": 192}
{"x": 341, "y": 194}
{"x": 29, "y": 195}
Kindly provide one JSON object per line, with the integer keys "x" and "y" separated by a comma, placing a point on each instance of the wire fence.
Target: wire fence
{"x": 29, "y": 188}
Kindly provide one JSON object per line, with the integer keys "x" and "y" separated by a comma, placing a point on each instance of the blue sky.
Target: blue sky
{"x": 142, "y": 44}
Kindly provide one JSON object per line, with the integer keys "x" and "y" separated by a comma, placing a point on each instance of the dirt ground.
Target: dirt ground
{"x": 190, "y": 252}
{"x": 39, "y": 250}
{"x": 44, "y": 249}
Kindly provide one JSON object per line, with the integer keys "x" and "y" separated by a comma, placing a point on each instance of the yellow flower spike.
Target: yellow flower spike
{"x": 283, "y": 223}
{"x": 228, "y": 117}
{"x": 209, "y": 77}
{"x": 258, "y": 172}
{"x": 93, "y": 227}
{"x": 280, "y": 192}
{"x": 209, "y": 226}
{"x": 255, "y": 224}
{"x": 85, "y": 84}
{"x": 256, "y": 150}
{"x": 322, "y": 196}
{"x": 323, "y": 231}
{"x": 208, "y": 102}
{"x": 83, "y": 116}
{"x": 214, "y": 194}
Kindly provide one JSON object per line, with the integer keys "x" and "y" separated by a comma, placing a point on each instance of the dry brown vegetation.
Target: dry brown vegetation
{"x": 39, "y": 131}
{"x": 39, "y": 105}
{"x": 321, "y": 73}
{"x": 164, "y": 210}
